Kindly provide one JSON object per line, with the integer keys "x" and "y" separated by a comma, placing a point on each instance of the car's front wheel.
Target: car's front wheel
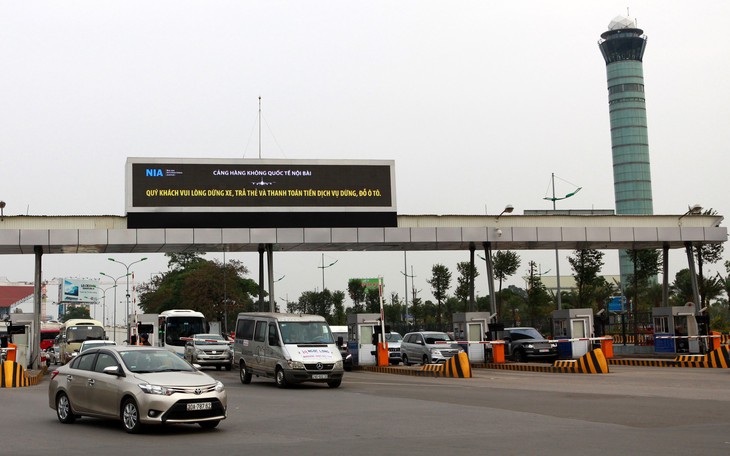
{"x": 425, "y": 360}
{"x": 280, "y": 378}
{"x": 520, "y": 355}
{"x": 209, "y": 424}
{"x": 130, "y": 416}
{"x": 334, "y": 383}
{"x": 404, "y": 357}
{"x": 63, "y": 409}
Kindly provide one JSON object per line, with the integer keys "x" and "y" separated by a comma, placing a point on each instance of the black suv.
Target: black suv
{"x": 525, "y": 343}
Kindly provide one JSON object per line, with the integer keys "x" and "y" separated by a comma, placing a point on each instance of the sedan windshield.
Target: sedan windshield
{"x": 435, "y": 338}
{"x": 525, "y": 333}
{"x": 144, "y": 361}
{"x": 209, "y": 339}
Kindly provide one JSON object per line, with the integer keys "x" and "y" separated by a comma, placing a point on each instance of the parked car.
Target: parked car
{"x": 428, "y": 347}
{"x": 137, "y": 385}
{"x": 394, "y": 340}
{"x": 209, "y": 350}
{"x": 339, "y": 334}
{"x": 526, "y": 343}
{"x": 54, "y": 355}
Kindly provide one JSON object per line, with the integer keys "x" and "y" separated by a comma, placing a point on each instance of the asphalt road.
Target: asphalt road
{"x": 632, "y": 410}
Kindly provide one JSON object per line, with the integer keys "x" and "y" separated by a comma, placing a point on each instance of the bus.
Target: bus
{"x": 73, "y": 332}
{"x": 49, "y": 332}
{"x": 176, "y": 326}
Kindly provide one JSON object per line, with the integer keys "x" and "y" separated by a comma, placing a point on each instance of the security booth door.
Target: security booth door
{"x": 475, "y": 334}
{"x": 580, "y": 330}
{"x": 680, "y": 332}
{"x": 366, "y": 349}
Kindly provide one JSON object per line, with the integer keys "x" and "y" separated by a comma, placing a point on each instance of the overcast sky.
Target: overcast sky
{"x": 476, "y": 102}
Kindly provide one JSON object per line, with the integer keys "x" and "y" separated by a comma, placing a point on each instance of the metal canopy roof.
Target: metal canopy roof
{"x": 108, "y": 234}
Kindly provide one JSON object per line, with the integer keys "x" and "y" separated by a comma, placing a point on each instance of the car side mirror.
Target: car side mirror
{"x": 114, "y": 370}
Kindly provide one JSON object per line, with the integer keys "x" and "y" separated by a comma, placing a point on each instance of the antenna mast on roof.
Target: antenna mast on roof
{"x": 259, "y": 127}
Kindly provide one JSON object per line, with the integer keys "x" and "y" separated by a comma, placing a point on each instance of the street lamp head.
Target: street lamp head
{"x": 695, "y": 209}
{"x": 507, "y": 210}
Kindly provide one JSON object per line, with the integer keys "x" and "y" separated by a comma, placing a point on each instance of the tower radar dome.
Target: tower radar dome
{"x": 622, "y": 22}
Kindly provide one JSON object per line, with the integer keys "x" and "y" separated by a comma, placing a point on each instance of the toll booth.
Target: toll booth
{"x": 361, "y": 329}
{"x": 20, "y": 332}
{"x": 573, "y": 324}
{"x": 470, "y": 329}
{"x": 674, "y": 328}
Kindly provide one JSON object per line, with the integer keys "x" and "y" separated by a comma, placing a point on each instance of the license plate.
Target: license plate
{"x": 200, "y": 406}
{"x": 319, "y": 376}
{"x": 544, "y": 350}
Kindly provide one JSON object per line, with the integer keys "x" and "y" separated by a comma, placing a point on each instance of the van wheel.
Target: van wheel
{"x": 405, "y": 360}
{"x": 244, "y": 374}
{"x": 228, "y": 367}
{"x": 334, "y": 383}
{"x": 280, "y": 378}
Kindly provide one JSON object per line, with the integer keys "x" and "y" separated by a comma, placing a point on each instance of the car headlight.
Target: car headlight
{"x": 155, "y": 389}
{"x": 199, "y": 352}
{"x": 529, "y": 346}
{"x": 295, "y": 364}
{"x": 554, "y": 345}
{"x": 219, "y": 387}
{"x": 338, "y": 364}
{"x": 435, "y": 352}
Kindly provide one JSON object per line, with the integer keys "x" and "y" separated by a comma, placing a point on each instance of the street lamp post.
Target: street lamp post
{"x": 557, "y": 255}
{"x": 103, "y": 310}
{"x": 323, "y": 267}
{"x": 114, "y": 308}
{"x": 127, "y": 266}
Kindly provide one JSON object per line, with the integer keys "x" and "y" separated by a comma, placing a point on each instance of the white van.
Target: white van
{"x": 290, "y": 348}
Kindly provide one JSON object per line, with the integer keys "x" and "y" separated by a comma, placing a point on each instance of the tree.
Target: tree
{"x": 706, "y": 253}
{"x": 467, "y": 274}
{"x": 538, "y": 298}
{"x": 372, "y": 300}
{"x": 218, "y": 291}
{"x": 357, "y": 293}
{"x": 586, "y": 264}
{"x": 440, "y": 282}
{"x": 73, "y": 312}
{"x": 504, "y": 264}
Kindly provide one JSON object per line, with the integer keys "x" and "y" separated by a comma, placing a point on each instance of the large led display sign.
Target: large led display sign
{"x": 239, "y": 186}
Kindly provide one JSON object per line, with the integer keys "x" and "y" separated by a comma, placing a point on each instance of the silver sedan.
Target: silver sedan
{"x": 138, "y": 386}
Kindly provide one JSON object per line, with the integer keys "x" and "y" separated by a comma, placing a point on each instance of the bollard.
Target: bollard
{"x": 607, "y": 348}
{"x": 498, "y": 352}
{"x": 716, "y": 340}
{"x": 382, "y": 354}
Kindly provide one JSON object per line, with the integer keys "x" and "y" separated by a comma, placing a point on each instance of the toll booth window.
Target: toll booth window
{"x": 661, "y": 325}
{"x": 560, "y": 328}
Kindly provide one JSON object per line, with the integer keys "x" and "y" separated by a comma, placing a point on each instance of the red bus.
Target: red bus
{"x": 48, "y": 335}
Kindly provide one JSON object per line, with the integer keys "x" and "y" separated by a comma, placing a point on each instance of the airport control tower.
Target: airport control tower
{"x": 622, "y": 46}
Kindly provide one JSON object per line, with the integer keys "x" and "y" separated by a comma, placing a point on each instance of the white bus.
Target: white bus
{"x": 176, "y": 326}
{"x": 74, "y": 332}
